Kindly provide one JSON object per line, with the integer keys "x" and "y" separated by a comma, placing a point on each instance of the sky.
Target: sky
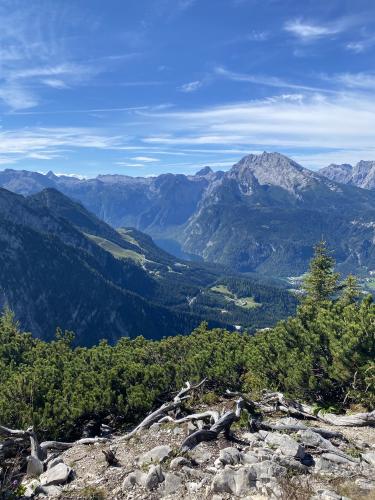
{"x": 142, "y": 87}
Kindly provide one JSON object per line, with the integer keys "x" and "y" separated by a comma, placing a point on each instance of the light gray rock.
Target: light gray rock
{"x": 153, "y": 478}
{"x": 251, "y": 437}
{"x": 291, "y": 464}
{"x": 196, "y": 473}
{"x": 155, "y": 427}
{"x": 369, "y": 457}
{"x": 263, "y": 434}
{"x": 289, "y": 421}
{"x": 263, "y": 454}
{"x": 55, "y": 461}
{"x": 131, "y": 480}
{"x": 190, "y": 427}
{"x": 177, "y": 431}
{"x": 235, "y": 482}
{"x": 327, "y": 495}
{"x": 268, "y": 470}
{"x": 250, "y": 458}
{"x": 179, "y": 462}
{"x": 156, "y": 455}
{"x": 331, "y": 463}
{"x": 56, "y": 475}
{"x": 230, "y": 456}
{"x": 286, "y": 444}
{"x": 50, "y": 491}
{"x": 199, "y": 454}
{"x": 315, "y": 440}
{"x": 337, "y": 459}
{"x": 365, "y": 484}
{"x": 172, "y": 483}
{"x": 31, "y": 487}
{"x": 34, "y": 467}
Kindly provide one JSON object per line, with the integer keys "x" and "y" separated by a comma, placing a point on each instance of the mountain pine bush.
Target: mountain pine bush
{"x": 324, "y": 354}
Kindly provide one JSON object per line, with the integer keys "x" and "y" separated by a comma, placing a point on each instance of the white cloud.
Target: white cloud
{"x": 54, "y": 83}
{"x": 191, "y": 86}
{"x": 365, "y": 81}
{"x": 75, "y": 176}
{"x": 49, "y": 143}
{"x": 145, "y": 159}
{"x": 315, "y": 122}
{"x": 126, "y": 164}
{"x": 367, "y": 41}
{"x": 314, "y": 161}
{"x": 16, "y": 97}
{"x": 356, "y": 47}
{"x": 310, "y": 31}
{"x": 42, "y": 156}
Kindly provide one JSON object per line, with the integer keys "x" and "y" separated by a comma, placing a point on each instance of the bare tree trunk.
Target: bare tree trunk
{"x": 164, "y": 409}
{"x": 355, "y": 420}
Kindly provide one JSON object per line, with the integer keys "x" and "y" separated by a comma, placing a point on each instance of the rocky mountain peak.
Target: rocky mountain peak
{"x": 337, "y": 173}
{"x": 204, "y": 171}
{"x": 273, "y": 169}
{"x": 361, "y": 175}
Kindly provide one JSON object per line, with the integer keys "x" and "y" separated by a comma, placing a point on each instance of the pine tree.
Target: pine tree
{"x": 350, "y": 291}
{"x": 321, "y": 282}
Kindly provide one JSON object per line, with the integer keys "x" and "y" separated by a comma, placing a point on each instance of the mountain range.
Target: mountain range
{"x": 361, "y": 175}
{"x": 263, "y": 215}
{"x": 61, "y": 266}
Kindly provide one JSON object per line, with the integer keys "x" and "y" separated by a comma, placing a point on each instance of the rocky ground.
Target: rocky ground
{"x": 257, "y": 465}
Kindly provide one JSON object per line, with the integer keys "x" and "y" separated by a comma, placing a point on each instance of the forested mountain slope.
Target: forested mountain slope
{"x": 263, "y": 215}
{"x": 63, "y": 267}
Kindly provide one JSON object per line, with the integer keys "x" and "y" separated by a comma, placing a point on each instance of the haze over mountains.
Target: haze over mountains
{"x": 263, "y": 215}
{"x": 60, "y": 266}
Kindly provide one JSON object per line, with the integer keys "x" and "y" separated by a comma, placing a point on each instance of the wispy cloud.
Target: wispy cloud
{"x": 191, "y": 86}
{"x": 33, "y": 53}
{"x": 313, "y": 121}
{"x": 363, "y": 81}
{"x": 266, "y": 80}
{"x": 50, "y": 143}
{"x": 146, "y": 159}
{"x": 127, "y": 164}
{"x": 361, "y": 45}
{"x": 54, "y": 83}
{"x": 252, "y": 36}
{"x": 310, "y": 31}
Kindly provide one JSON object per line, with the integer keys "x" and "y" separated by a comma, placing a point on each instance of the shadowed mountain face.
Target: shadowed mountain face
{"x": 263, "y": 215}
{"x": 361, "y": 175}
{"x": 149, "y": 204}
{"x": 267, "y": 212}
{"x": 60, "y": 266}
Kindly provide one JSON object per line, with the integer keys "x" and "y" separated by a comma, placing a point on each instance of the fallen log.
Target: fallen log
{"x": 300, "y": 427}
{"x": 354, "y": 420}
{"x": 164, "y": 409}
{"x": 222, "y": 424}
{"x": 301, "y": 410}
{"x": 61, "y": 446}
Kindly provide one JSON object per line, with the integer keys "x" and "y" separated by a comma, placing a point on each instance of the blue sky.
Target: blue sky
{"x": 141, "y": 87}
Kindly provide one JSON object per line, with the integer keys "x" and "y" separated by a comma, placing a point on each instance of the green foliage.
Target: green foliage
{"x": 321, "y": 283}
{"x": 324, "y": 354}
{"x": 55, "y": 386}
